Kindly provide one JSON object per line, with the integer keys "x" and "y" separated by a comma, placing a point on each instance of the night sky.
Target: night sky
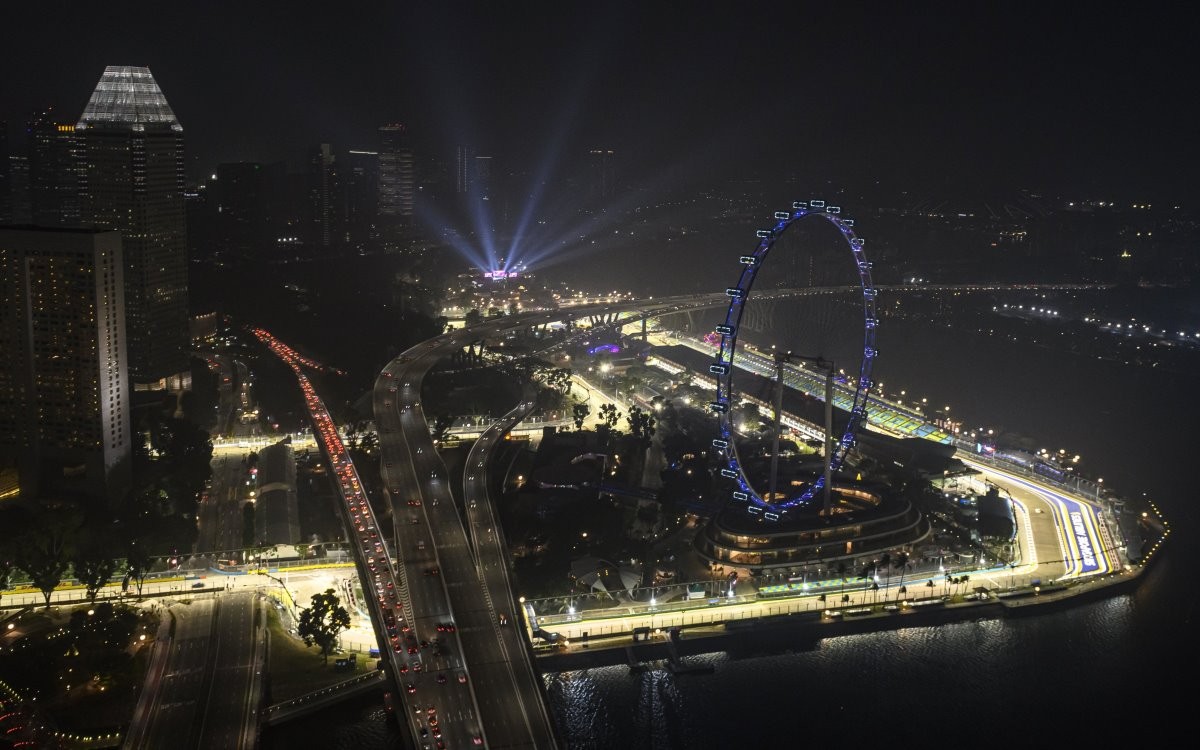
{"x": 1093, "y": 101}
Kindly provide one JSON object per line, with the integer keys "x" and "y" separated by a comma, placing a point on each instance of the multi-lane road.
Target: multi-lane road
{"x": 405, "y": 617}
{"x": 207, "y": 693}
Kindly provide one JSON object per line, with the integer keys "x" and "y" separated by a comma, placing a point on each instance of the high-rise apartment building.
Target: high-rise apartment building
{"x": 359, "y": 175}
{"x": 131, "y": 180}
{"x": 64, "y": 389}
{"x": 600, "y": 174}
{"x": 19, "y": 211}
{"x": 464, "y": 167}
{"x": 396, "y": 179}
{"x": 481, "y": 188}
{"x": 323, "y": 194}
{"x": 53, "y": 171}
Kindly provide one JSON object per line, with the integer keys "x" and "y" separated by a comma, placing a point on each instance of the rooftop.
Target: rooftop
{"x": 127, "y": 95}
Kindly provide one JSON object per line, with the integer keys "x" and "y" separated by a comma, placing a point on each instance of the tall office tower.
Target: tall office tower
{"x": 323, "y": 195}
{"x": 464, "y": 167}
{"x": 358, "y": 174}
{"x": 18, "y": 190}
{"x": 131, "y": 180}
{"x": 64, "y": 390}
{"x": 600, "y": 174}
{"x": 481, "y": 188}
{"x": 5, "y": 189}
{"x": 396, "y": 179}
{"x": 53, "y": 171}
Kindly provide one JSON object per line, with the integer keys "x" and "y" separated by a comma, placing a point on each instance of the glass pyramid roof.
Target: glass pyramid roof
{"x": 127, "y": 95}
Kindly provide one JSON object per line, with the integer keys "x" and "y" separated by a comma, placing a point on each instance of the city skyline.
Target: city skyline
{"x": 1013, "y": 97}
{"x": 589, "y": 376}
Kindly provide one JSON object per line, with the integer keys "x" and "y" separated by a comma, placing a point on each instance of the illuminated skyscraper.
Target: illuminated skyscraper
{"x": 53, "y": 172}
{"x": 396, "y": 180}
{"x": 64, "y": 390}
{"x": 131, "y": 180}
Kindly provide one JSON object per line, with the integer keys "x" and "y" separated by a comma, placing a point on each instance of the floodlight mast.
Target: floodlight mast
{"x": 826, "y": 366}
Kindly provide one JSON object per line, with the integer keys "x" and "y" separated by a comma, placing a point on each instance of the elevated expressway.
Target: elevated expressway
{"x": 393, "y": 606}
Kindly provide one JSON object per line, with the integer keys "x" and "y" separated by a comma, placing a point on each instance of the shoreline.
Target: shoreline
{"x": 804, "y": 631}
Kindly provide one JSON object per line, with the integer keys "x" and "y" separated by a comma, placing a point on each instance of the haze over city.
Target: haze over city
{"x": 550, "y": 375}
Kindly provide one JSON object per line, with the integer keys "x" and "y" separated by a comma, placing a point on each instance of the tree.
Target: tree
{"x": 92, "y": 563}
{"x": 641, "y": 426}
{"x": 137, "y": 564}
{"x": 321, "y": 623}
{"x": 609, "y": 416}
{"x": 580, "y": 413}
{"x": 46, "y": 544}
{"x": 441, "y": 427}
{"x": 472, "y": 318}
{"x": 901, "y": 562}
{"x": 369, "y": 443}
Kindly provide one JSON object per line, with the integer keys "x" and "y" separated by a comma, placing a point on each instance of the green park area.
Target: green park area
{"x": 82, "y": 666}
{"x": 294, "y": 669}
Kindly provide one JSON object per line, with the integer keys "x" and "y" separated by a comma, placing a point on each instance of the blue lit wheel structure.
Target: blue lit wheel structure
{"x": 723, "y": 368}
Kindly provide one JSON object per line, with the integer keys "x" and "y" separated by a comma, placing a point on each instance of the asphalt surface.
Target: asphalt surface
{"x": 229, "y": 720}
{"x": 207, "y": 694}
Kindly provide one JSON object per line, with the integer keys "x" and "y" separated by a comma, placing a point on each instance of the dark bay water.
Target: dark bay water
{"x": 1108, "y": 673}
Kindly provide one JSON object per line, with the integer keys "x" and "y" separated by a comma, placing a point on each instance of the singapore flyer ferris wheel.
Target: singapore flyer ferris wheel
{"x": 773, "y": 508}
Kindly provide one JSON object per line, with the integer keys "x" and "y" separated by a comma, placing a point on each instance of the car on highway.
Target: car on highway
{"x": 411, "y": 688}
{"x": 462, "y": 678}
{"x": 503, "y": 619}
{"x": 431, "y": 571}
{"x": 441, "y": 678}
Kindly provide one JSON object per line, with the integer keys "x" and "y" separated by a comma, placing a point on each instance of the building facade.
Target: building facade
{"x": 53, "y": 171}
{"x": 397, "y": 182}
{"x": 131, "y": 181}
{"x": 64, "y": 387}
